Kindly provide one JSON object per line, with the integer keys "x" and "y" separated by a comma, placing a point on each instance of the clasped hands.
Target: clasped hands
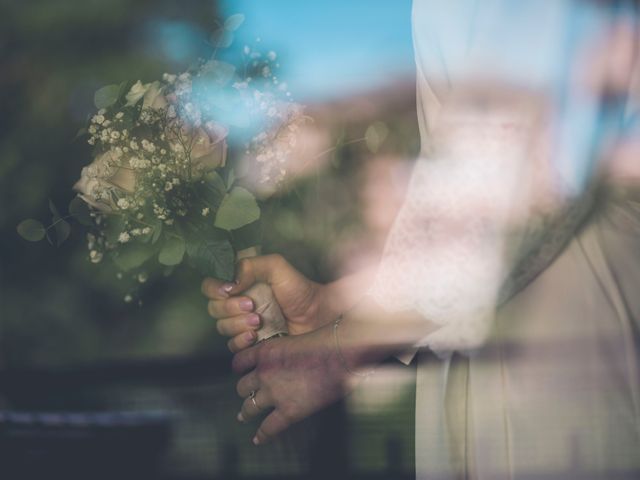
{"x": 285, "y": 378}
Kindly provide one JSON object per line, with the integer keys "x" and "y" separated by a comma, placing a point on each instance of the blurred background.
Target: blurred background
{"x": 123, "y": 389}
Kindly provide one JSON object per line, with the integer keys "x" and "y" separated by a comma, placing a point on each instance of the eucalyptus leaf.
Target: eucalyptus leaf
{"x": 157, "y": 231}
{"x": 114, "y": 227}
{"x": 79, "y": 210}
{"x": 222, "y": 38}
{"x": 132, "y": 256}
{"x": 231, "y": 179}
{"x": 238, "y": 208}
{"x": 53, "y": 209}
{"x": 106, "y": 96}
{"x": 233, "y": 22}
{"x": 216, "y": 181}
{"x": 218, "y": 72}
{"x": 172, "y": 251}
{"x": 31, "y": 230}
{"x": 63, "y": 230}
{"x": 375, "y": 136}
{"x": 212, "y": 257}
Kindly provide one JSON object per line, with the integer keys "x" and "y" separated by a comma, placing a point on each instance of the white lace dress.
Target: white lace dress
{"x": 503, "y": 243}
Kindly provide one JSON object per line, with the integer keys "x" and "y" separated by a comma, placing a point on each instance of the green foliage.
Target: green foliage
{"x": 63, "y": 230}
{"x": 31, "y": 230}
{"x": 218, "y": 73}
{"x": 212, "y": 257}
{"x": 172, "y": 251}
{"x": 132, "y": 255}
{"x": 107, "y": 96}
{"x": 79, "y": 210}
{"x": 61, "y": 226}
{"x": 238, "y": 208}
{"x": 375, "y": 136}
{"x": 222, "y": 37}
{"x": 233, "y": 22}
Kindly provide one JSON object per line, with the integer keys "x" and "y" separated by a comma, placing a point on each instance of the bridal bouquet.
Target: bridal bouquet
{"x": 162, "y": 187}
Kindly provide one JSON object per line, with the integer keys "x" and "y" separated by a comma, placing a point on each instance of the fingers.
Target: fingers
{"x": 252, "y": 407}
{"x": 215, "y": 289}
{"x": 265, "y": 269}
{"x": 230, "y": 307}
{"x": 245, "y": 360}
{"x": 274, "y": 424}
{"x": 247, "y": 384}
{"x": 242, "y": 341}
{"x": 230, "y": 327}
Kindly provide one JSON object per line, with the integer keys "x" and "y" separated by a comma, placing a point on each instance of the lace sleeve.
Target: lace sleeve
{"x": 446, "y": 256}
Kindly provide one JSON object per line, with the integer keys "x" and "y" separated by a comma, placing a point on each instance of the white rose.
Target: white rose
{"x": 104, "y": 175}
{"x": 136, "y": 92}
{"x": 153, "y": 97}
{"x": 209, "y": 147}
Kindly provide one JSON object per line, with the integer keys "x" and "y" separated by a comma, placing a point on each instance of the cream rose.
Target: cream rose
{"x": 209, "y": 147}
{"x": 153, "y": 97}
{"x": 104, "y": 175}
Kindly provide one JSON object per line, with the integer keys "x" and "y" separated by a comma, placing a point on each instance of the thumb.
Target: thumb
{"x": 266, "y": 269}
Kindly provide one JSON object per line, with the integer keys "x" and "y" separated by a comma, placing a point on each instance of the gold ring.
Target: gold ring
{"x": 252, "y": 396}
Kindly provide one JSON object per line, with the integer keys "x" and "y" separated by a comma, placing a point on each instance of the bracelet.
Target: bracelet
{"x": 343, "y": 361}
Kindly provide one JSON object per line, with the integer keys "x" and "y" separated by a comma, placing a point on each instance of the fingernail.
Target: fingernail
{"x": 227, "y": 287}
{"x": 255, "y": 441}
{"x": 253, "y": 320}
{"x": 239, "y": 417}
{"x": 250, "y": 336}
{"x": 246, "y": 305}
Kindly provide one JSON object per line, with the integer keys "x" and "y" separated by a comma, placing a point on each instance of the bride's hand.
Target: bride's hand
{"x": 291, "y": 376}
{"x": 304, "y": 303}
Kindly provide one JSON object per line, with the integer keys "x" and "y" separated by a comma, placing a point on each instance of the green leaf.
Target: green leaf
{"x": 375, "y": 136}
{"x": 106, "y": 96}
{"x": 79, "y": 210}
{"x": 31, "y": 230}
{"x": 63, "y": 230}
{"x": 157, "y": 230}
{"x": 114, "y": 227}
{"x": 216, "y": 181}
{"x": 218, "y": 72}
{"x": 222, "y": 38}
{"x": 233, "y": 22}
{"x": 132, "y": 256}
{"x": 231, "y": 179}
{"x": 54, "y": 209}
{"x": 81, "y": 133}
{"x": 238, "y": 208}
{"x": 172, "y": 251}
{"x": 212, "y": 257}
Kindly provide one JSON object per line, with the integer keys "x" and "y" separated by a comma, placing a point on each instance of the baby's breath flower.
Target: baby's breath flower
{"x": 143, "y": 277}
{"x": 95, "y": 256}
{"x": 124, "y": 237}
{"x": 205, "y": 211}
{"x": 168, "y": 187}
{"x": 123, "y": 203}
{"x": 146, "y": 230}
{"x": 128, "y": 298}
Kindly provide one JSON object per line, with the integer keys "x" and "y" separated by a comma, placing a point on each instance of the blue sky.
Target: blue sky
{"x": 330, "y": 48}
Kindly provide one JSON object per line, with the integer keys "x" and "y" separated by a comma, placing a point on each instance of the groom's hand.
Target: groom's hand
{"x": 302, "y": 301}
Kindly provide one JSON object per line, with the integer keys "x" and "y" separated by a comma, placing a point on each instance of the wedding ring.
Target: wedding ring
{"x": 252, "y": 396}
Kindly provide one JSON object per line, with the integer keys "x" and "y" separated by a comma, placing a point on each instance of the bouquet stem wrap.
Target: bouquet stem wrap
{"x": 266, "y": 305}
